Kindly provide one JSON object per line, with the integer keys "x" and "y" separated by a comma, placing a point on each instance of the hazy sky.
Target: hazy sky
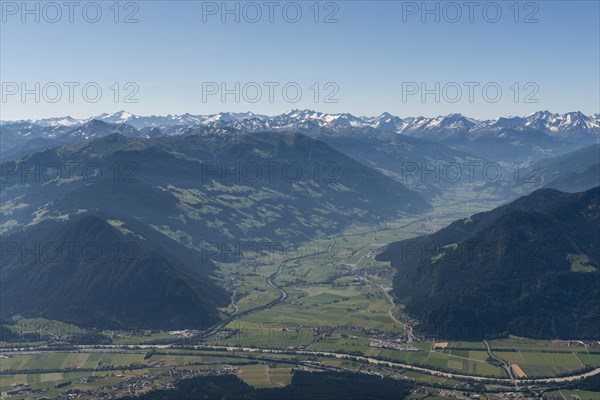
{"x": 362, "y": 57}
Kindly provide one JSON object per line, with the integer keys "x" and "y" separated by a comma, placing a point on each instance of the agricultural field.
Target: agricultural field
{"x": 572, "y": 395}
{"x": 63, "y": 360}
{"x": 96, "y": 370}
{"x": 264, "y": 376}
{"x": 538, "y": 364}
{"x": 518, "y": 343}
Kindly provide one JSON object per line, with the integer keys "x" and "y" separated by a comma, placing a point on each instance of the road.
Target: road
{"x": 408, "y": 328}
{"x": 506, "y": 366}
{"x": 450, "y": 375}
{"x": 370, "y": 360}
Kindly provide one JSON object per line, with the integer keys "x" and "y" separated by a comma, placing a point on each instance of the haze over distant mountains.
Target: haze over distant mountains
{"x": 407, "y": 149}
{"x": 538, "y": 135}
{"x": 572, "y": 172}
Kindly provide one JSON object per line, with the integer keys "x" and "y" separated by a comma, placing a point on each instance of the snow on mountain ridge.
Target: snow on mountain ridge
{"x": 572, "y": 123}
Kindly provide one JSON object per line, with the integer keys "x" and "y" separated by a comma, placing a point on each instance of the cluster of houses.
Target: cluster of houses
{"x": 138, "y": 385}
{"x": 17, "y": 388}
{"x": 186, "y": 333}
{"x": 392, "y": 345}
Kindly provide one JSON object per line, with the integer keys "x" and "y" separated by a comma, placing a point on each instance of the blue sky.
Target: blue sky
{"x": 377, "y": 57}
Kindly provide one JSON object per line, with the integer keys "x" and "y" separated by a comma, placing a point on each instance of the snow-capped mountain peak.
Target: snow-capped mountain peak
{"x": 569, "y": 125}
{"x": 119, "y": 117}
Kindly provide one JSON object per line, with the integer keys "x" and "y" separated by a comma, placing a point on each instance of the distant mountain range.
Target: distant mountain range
{"x": 406, "y": 149}
{"x": 565, "y": 125}
{"x": 529, "y": 268}
{"x": 538, "y": 135}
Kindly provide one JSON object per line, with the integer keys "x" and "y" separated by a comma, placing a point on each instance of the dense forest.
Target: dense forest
{"x": 529, "y": 268}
